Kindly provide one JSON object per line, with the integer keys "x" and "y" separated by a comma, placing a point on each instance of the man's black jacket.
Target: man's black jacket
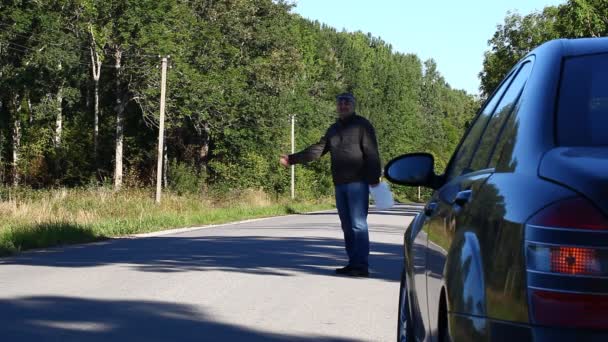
{"x": 354, "y": 151}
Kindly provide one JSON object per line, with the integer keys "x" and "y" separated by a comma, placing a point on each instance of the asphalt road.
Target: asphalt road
{"x": 268, "y": 280}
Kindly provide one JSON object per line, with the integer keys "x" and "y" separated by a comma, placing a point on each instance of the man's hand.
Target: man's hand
{"x": 284, "y": 160}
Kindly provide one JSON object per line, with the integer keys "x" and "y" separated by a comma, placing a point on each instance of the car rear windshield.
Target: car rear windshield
{"x": 582, "y": 118}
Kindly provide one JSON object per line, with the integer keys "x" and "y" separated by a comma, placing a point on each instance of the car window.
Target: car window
{"x": 582, "y": 117}
{"x": 503, "y": 153}
{"x": 502, "y": 112}
{"x": 462, "y": 158}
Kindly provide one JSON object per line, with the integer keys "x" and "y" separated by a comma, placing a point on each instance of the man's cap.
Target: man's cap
{"x": 346, "y": 97}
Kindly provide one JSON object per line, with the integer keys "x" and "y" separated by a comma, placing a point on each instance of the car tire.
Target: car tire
{"x": 404, "y": 325}
{"x": 444, "y": 328}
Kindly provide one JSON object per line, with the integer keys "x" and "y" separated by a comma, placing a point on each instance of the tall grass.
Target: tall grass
{"x": 34, "y": 219}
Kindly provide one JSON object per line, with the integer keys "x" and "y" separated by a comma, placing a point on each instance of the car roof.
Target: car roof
{"x": 574, "y": 47}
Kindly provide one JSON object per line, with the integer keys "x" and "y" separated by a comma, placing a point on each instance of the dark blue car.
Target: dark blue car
{"x": 513, "y": 245}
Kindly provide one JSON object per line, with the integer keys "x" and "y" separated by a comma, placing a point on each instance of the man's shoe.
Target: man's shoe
{"x": 358, "y": 272}
{"x": 344, "y": 270}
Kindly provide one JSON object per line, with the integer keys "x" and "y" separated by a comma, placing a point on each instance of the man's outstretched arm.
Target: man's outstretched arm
{"x": 312, "y": 152}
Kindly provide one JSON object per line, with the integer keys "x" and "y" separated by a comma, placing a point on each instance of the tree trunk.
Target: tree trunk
{"x": 119, "y": 126}
{"x": 30, "y": 109}
{"x": 204, "y": 151}
{"x": 2, "y": 166}
{"x": 16, "y": 138}
{"x": 59, "y": 119}
{"x": 87, "y": 104}
{"x": 96, "y": 70}
{"x": 16, "y": 150}
{"x": 96, "y": 120}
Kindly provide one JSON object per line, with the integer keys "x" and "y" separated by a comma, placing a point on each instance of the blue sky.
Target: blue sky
{"x": 454, "y": 33}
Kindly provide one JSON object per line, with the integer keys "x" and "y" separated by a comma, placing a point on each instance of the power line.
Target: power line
{"x": 125, "y": 52}
{"x": 25, "y": 49}
{"x": 38, "y": 40}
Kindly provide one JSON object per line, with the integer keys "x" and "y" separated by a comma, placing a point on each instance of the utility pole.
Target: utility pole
{"x": 161, "y": 130}
{"x": 293, "y": 150}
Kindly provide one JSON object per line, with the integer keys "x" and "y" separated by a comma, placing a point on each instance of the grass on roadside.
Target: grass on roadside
{"x": 37, "y": 219}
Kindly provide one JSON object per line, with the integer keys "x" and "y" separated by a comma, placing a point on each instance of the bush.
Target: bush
{"x": 184, "y": 178}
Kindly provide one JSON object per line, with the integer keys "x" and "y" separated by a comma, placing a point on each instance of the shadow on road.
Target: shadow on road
{"x": 397, "y": 210}
{"x": 246, "y": 254}
{"x": 78, "y": 319}
{"x": 411, "y": 213}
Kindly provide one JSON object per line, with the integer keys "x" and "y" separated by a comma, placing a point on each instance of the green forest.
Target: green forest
{"x": 80, "y": 89}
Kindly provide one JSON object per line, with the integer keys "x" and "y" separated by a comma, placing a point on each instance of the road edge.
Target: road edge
{"x": 192, "y": 229}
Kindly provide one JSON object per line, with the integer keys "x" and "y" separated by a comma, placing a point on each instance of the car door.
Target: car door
{"x": 449, "y": 212}
{"x": 418, "y": 259}
{"x": 436, "y": 210}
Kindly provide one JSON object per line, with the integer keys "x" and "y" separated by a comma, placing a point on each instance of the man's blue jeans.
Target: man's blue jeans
{"x": 352, "y": 201}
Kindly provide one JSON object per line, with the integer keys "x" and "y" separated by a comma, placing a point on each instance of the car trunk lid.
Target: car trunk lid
{"x": 584, "y": 169}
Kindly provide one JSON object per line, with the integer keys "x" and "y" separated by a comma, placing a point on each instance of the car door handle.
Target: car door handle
{"x": 462, "y": 198}
{"x": 430, "y": 208}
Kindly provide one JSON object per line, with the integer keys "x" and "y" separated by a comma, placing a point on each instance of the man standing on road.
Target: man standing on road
{"x": 355, "y": 166}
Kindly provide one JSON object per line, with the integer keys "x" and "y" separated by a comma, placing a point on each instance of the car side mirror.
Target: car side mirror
{"x": 415, "y": 169}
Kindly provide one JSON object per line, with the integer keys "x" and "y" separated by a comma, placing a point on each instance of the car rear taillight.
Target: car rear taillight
{"x": 574, "y": 260}
{"x": 567, "y": 260}
{"x": 567, "y": 265}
